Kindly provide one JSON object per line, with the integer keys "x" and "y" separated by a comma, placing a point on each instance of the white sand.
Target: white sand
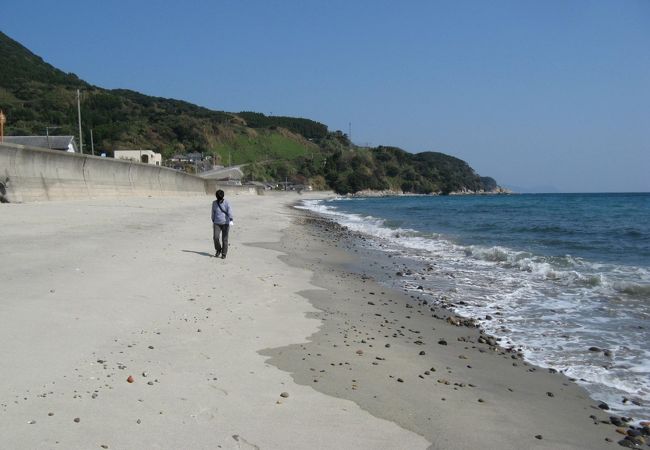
{"x": 108, "y": 279}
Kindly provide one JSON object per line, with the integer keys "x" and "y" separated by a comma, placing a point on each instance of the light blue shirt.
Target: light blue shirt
{"x": 218, "y": 216}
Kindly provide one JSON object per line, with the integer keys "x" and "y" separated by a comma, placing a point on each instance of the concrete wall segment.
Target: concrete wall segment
{"x": 31, "y": 174}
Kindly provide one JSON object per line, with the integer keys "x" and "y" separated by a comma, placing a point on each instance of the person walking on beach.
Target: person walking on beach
{"x": 221, "y": 220}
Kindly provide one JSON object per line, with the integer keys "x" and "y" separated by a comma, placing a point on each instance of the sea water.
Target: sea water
{"x": 564, "y": 278}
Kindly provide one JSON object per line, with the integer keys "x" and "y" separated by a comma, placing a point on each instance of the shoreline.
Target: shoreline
{"x": 561, "y": 310}
{"x": 390, "y": 341}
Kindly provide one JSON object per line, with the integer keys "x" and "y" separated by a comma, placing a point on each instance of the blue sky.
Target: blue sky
{"x": 534, "y": 93}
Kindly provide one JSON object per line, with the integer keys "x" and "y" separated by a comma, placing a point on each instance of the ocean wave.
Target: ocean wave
{"x": 641, "y": 291}
{"x": 564, "y": 270}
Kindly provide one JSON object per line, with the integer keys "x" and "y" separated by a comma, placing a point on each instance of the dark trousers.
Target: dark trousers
{"x": 220, "y": 229}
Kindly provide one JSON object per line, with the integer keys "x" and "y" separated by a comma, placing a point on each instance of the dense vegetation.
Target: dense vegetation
{"x": 35, "y": 95}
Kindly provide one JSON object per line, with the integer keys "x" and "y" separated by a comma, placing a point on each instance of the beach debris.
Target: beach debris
{"x": 594, "y": 349}
{"x": 130, "y": 379}
{"x": 31, "y": 422}
{"x": 359, "y": 352}
{"x": 615, "y": 421}
{"x": 603, "y": 405}
{"x": 453, "y": 321}
{"x": 399, "y": 380}
{"x": 550, "y": 394}
{"x": 633, "y": 432}
{"x": 422, "y": 353}
{"x": 442, "y": 342}
{"x": 632, "y": 441}
{"x": 538, "y": 436}
{"x": 284, "y": 395}
{"x": 76, "y": 420}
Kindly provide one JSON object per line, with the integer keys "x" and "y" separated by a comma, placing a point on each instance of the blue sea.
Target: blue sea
{"x": 550, "y": 274}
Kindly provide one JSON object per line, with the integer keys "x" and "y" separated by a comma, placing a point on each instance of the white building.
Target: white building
{"x": 143, "y": 156}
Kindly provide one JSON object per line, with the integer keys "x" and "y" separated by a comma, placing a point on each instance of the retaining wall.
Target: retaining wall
{"x": 32, "y": 174}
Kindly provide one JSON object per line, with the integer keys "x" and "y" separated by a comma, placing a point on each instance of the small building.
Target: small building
{"x": 63, "y": 143}
{"x": 143, "y": 156}
{"x": 192, "y": 157}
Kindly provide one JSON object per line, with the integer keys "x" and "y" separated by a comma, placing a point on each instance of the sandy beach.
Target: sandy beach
{"x": 119, "y": 329}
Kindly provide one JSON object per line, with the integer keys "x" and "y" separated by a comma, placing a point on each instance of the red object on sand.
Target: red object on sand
{"x": 130, "y": 379}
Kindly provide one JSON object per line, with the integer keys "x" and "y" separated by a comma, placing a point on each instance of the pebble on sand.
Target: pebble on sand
{"x": 284, "y": 395}
{"x": 130, "y": 379}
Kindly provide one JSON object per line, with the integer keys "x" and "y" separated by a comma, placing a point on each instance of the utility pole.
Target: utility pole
{"x": 81, "y": 142}
{"x": 3, "y": 119}
{"x": 92, "y": 142}
{"x": 350, "y": 133}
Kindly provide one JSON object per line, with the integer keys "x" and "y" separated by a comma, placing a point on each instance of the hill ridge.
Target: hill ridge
{"x": 35, "y": 94}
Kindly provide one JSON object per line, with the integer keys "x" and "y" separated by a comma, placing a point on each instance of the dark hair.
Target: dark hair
{"x": 220, "y": 195}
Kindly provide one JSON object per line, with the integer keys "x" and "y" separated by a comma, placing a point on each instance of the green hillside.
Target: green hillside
{"x": 35, "y": 95}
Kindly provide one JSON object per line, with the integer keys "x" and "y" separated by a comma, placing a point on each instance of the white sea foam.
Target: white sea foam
{"x": 552, "y": 308}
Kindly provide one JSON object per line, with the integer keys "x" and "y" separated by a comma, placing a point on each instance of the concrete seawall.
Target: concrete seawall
{"x": 30, "y": 174}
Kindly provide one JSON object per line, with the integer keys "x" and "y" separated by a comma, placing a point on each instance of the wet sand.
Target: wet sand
{"x": 427, "y": 370}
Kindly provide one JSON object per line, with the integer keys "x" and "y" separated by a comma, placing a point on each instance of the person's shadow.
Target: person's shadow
{"x": 199, "y": 253}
